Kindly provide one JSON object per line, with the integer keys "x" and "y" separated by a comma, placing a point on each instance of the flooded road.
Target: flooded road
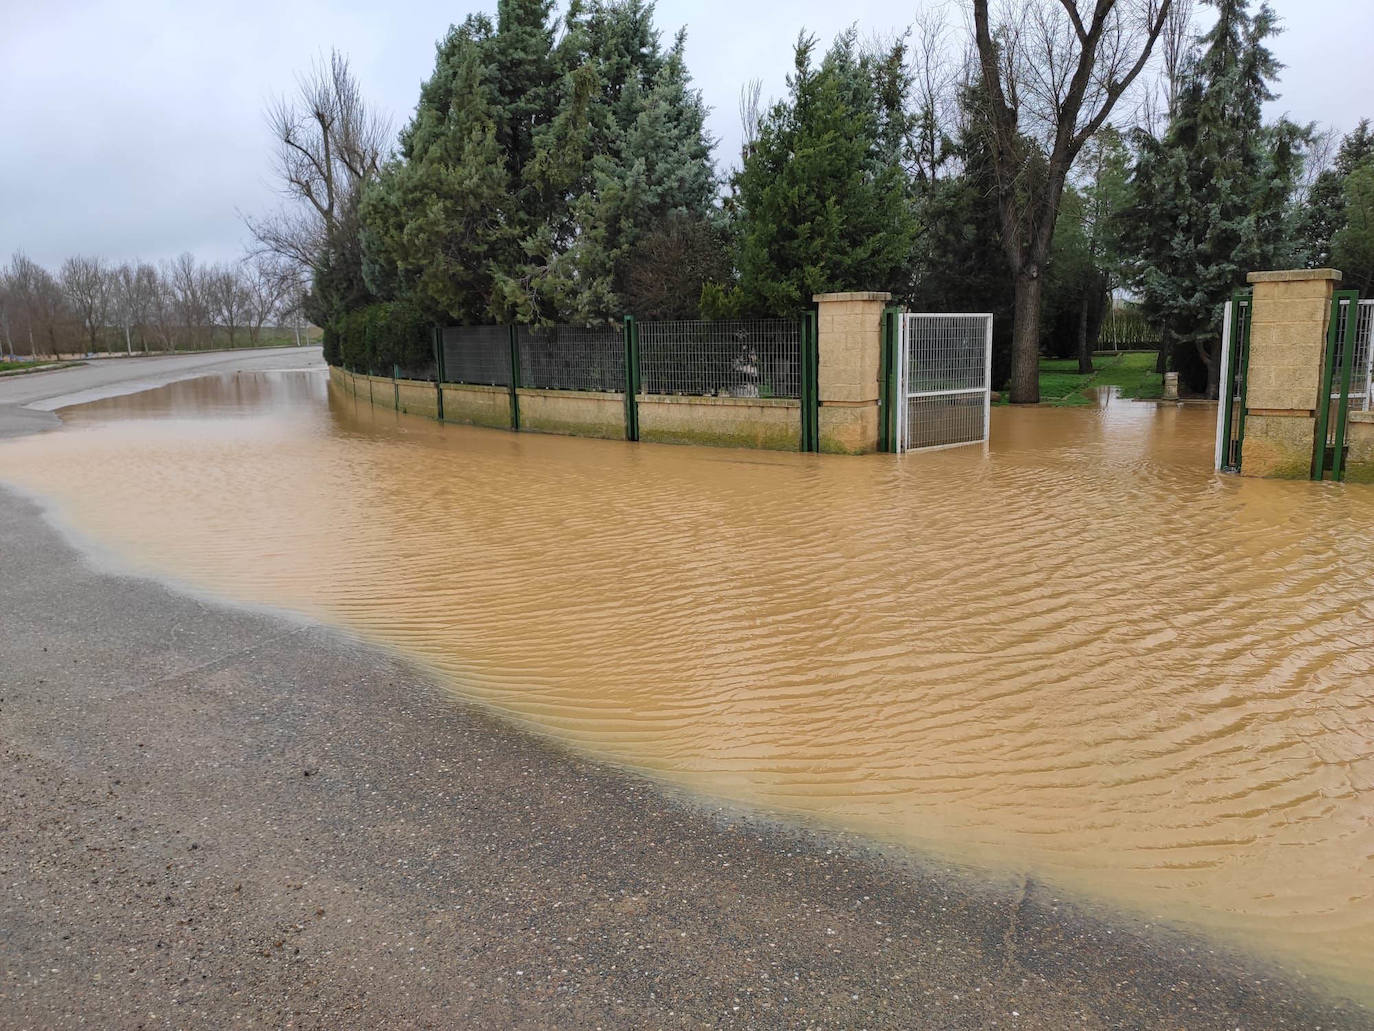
{"x": 1079, "y": 655}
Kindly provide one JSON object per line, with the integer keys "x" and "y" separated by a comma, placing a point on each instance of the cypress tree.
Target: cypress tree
{"x": 820, "y": 202}
{"x": 441, "y": 220}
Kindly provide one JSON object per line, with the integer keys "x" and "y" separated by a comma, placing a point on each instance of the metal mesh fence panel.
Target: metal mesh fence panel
{"x": 1362, "y": 369}
{"x": 945, "y": 372}
{"x": 425, "y": 370}
{"x": 943, "y": 419}
{"x": 725, "y": 358}
{"x": 572, "y": 357}
{"x": 477, "y": 354}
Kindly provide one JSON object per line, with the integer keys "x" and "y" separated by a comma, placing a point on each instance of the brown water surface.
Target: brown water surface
{"x": 1077, "y": 654}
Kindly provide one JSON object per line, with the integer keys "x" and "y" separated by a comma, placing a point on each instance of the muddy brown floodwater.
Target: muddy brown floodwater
{"x": 1078, "y": 654}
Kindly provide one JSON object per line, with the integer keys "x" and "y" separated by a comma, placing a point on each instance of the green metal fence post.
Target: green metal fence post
{"x": 514, "y": 379}
{"x": 395, "y": 387}
{"x": 815, "y": 337}
{"x": 804, "y": 385}
{"x": 887, "y": 393}
{"x": 1347, "y": 365}
{"x": 810, "y": 384}
{"x": 633, "y": 382}
{"x": 1326, "y": 381}
{"x": 439, "y": 373}
{"x": 1244, "y": 383}
{"x": 1231, "y": 385}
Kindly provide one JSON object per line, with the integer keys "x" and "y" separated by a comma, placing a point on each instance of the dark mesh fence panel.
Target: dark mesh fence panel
{"x": 477, "y": 354}
{"x": 572, "y": 357}
{"x": 426, "y": 370}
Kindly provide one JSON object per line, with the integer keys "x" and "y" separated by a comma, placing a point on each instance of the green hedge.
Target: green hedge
{"x": 375, "y": 338}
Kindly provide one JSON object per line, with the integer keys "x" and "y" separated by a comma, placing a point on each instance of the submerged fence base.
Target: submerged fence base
{"x": 750, "y": 422}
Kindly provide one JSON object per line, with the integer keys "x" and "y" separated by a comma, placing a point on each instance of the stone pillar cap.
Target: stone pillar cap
{"x": 858, "y": 295}
{"x": 1294, "y": 275}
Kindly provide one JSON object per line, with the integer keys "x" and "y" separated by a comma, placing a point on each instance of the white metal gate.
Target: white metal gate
{"x": 1362, "y": 368}
{"x": 944, "y": 380}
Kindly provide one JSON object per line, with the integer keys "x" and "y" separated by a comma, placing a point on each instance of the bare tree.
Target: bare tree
{"x": 133, "y": 297}
{"x": 122, "y": 286}
{"x": 329, "y": 144}
{"x": 86, "y": 289}
{"x": 162, "y": 306}
{"x": 227, "y": 299}
{"x": 269, "y": 281}
{"x": 187, "y": 292}
{"x": 1176, "y": 42}
{"x": 935, "y": 77}
{"x": 37, "y": 314}
{"x": 750, "y": 115}
{"x": 1050, "y": 77}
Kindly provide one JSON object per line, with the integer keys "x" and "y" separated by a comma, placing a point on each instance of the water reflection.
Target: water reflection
{"x": 1077, "y": 652}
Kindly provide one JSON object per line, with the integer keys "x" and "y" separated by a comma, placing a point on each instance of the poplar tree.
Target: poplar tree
{"x": 1211, "y": 198}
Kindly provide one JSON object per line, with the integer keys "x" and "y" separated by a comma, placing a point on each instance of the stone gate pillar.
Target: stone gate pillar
{"x": 1283, "y": 385}
{"x": 849, "y": 330}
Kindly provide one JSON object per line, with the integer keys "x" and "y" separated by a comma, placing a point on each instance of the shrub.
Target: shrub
{"x": 380, "y": 336}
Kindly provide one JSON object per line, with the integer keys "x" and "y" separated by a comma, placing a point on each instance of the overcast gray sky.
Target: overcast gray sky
{"x": 134, "y": 129}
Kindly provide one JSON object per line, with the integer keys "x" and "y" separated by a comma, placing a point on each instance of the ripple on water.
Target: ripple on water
{"x": 1077, "y": 652}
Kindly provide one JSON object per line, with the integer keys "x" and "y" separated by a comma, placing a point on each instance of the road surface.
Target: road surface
{"x": 27, "y": 401}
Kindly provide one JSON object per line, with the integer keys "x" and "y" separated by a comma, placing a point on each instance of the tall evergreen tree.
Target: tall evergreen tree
{"x": 1211, "y": 199}
{"x": 1352, "y": 248}
{"x": 820, "y": 202}
{"x": 534, "y": 166}
{"x": 649, "y": 162}
{"x": 1324, "y": 214}
{"x": 441, "y": 220}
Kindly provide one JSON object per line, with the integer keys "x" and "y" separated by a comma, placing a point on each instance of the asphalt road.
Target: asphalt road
{"x": 28, "y": 400}
{"x": 213, "y": 817}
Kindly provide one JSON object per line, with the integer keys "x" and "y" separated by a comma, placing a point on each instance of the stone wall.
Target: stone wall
{"x": 477, "y": 405}
{"x": 576, "y": 413}
{"x": 1359, "y": 438}
{"x": 764, "y": 423}
{"x": 771, "y": 424}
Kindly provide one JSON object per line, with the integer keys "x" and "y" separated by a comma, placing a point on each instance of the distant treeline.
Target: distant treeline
{"x": 89, "y": 305}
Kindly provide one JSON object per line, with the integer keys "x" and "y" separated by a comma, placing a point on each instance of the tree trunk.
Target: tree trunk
{"x": 1212, "y": 360}
{"x": 1162, "y": 359}
{"x": 1025, "y": 340}
{"x": 1085, "y": 352}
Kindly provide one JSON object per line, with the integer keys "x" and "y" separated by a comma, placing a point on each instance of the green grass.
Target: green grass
{"x": 1061, "y": 384}
{"x": 36, "y": 366}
